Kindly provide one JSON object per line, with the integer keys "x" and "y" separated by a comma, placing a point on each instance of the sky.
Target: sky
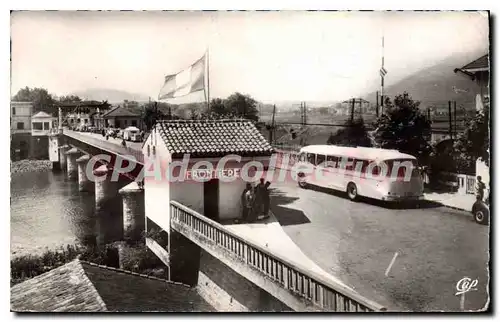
{"x": 272, "y": 56}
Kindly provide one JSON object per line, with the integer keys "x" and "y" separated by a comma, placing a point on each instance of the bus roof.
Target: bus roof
{"x": 357, "y": 152}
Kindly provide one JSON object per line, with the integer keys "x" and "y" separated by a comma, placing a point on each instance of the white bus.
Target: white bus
{"x": 374, "y": 173}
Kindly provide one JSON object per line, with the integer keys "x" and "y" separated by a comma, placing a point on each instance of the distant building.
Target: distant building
{"x": 83, "y": 113}
{"x": 20, "y": 129}
{"x": 20, "y": 117}
{"x": 124, "y": 116}
{"x": 42, "y": 123}
{"x": 479, "y": 71}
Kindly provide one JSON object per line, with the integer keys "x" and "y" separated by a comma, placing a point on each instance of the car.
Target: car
{"x": 481, "y": 211}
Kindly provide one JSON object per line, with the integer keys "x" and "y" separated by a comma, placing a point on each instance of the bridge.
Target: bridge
{"x": 202, "y": 251}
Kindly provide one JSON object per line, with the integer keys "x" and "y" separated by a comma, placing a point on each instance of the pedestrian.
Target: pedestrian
{"x": 259, "y": 199}
{"x": 267, "y": 199}
{"x": 480, "y": 187}
{"x": 246, "y": 202}
{"x": 124, "y": 144}
{"x": 250, "y": 202}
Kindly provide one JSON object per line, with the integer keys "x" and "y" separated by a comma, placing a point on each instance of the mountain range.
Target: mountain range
{"x": 111, "y": 95}
{"x": 436, "y": 85}
{"x": 433, "y": 87}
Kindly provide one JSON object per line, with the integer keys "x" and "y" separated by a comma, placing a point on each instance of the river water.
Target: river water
{"x": 48, "y": 211}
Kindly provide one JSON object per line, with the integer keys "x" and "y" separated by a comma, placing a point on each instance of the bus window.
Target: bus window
{"x": 302, "y": 157}
{"x": 401, "y": 166}
{"x": 331, "y": 161}
{"x": 320, "y": 160}
{"x": 311, "y": 158}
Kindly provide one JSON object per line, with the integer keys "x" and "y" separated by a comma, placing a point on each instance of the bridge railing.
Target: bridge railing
{"x": 301, "y": 282}
{"x": 105, "y": 145}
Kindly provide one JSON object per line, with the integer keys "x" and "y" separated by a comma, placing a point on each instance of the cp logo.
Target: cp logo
{"x": 465, "y": 285}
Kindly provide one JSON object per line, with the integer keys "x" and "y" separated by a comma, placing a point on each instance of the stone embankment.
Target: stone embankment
{"x": 30, "y": 166}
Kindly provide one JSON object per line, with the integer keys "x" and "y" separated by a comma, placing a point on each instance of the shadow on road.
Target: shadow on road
{"x": 286, "y": 216}
{"x": 420, "y": 204}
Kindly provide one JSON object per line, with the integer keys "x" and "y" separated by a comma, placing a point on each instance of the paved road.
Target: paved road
{"x": 132, "y": 145}
{"x": 356, "y": 242}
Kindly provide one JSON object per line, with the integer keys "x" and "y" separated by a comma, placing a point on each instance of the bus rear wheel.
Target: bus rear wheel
{"x": 352, "y": 191}
{"x": 302, "y": 180}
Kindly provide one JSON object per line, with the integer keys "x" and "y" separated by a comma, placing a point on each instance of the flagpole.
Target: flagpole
{"x": 382, "y": 77}
{"x": 208, "y": 79}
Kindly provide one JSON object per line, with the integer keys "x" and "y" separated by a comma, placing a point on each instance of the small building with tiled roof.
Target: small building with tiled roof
{"x": 204, "y": 164}
{"x": 80, "y": 286}
{"x": 122, "y": 117}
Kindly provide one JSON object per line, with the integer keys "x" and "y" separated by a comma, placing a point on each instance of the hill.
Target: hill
{"x": 111, "y": 95}
{"x": 436, "y": 85}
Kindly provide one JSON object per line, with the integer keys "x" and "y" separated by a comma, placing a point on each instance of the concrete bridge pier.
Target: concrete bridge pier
{"x": 84, "y": 183}
{"x": 62, "y": 156}
{"x": 71, "y": 156}
{"x": 133, "y": 211}
{"x": 184, "y": 259}
{"x": 104, "y": 188}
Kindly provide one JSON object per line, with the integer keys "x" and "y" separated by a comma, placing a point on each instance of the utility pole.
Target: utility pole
{"x": 449, "y": 117}
{"x": 455, "y": 116}
{"x": 429, "y": 114}
{"x": 361, "y": 107}
{"x": 352, "y": 109}
{"x": 271, "y": 130}
{"x": 376, "y": 108}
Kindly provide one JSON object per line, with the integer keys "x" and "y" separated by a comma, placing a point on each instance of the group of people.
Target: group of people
{"x": 255, "y": 201}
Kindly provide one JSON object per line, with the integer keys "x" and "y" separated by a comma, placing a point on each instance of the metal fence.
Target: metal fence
{"x": 310, "y": 286}
{"x": 124, "y": 152}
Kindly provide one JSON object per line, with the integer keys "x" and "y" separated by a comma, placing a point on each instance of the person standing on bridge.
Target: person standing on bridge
{"x": 247, "y": 201}
{"x": 480, "y": 188}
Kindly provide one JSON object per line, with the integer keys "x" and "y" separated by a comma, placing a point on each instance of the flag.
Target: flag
{"x": 383, "y": 71}
{"x": 190, "y": 80}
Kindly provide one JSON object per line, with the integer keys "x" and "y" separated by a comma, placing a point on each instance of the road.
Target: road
{"x": 356, "y": 242}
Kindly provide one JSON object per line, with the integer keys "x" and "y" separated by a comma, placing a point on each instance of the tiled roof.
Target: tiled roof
{"x": 63, "y": 289}
{"x": 213, "y": 138}
{"x": 41, "y": 114}
{"x": 482, "y": 62}
{"x": 84, "y": 287}
{"x": 123, "y": 111}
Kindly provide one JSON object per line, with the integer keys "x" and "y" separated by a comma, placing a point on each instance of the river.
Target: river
{"x": 48, "y": 211}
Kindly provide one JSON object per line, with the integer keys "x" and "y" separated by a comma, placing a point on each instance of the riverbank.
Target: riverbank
{"x": 135, "y": 258}
{"x": 24, "y": 166}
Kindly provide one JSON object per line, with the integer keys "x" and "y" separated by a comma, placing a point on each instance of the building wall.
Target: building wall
{"x": 230, "y": 199}
{"x": 188, "y": 193}
{"x": 157, "y": 189}
{"x": 23, "y": 112}
{"x": 226, "y": 290}
{"x": 45, "y": 121}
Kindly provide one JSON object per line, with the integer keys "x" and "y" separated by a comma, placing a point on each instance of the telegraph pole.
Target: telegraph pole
{"x": 271, "y": 130}
{"x": 429, "y": 114}
{"x": 352, "y": 109}
{"x": 455, "y": 116}
{"x": 383, "y": 72}
{"x": 449, "y": 118}
{"x": 376, "y": 110}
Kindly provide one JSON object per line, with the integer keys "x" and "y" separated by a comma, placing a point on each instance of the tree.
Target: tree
{"x": 354, "y": 134}
{"x": 69, "y": 99}
{"x": 150, "y": 115}
{"x": 474, "y": 142}
{"x": 404, "y": 127}
{"x": 42, "y": 100}
{"x": 235, "y": 106}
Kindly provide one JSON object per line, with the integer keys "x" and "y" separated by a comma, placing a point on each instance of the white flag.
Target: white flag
{"x": 185, "y": 82}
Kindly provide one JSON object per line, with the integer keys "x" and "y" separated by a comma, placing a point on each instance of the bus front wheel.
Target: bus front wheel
{"x": 352, "y": 191}
{"x": 302, "y": 180}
